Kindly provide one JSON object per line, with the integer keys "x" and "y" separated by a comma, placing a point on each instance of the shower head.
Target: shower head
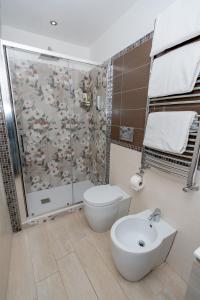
{"x": 48, "y": 57}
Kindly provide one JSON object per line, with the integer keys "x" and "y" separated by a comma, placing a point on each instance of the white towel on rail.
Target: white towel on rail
{"x": 178, "y": 23}
{"x": 168, "y": 131}
{"x": 175, "y": 72}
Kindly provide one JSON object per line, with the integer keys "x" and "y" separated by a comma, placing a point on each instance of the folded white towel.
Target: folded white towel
{"x": 168, "y": 131}
{"x": 178, "y": 23}
{"x": 175, "y": 72}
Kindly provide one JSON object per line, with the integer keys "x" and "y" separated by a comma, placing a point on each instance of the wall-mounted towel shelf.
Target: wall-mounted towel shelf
{"x": 183, "y": 165}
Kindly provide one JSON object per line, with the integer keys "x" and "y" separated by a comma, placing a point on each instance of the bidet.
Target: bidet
{"x": 139, "y": 245}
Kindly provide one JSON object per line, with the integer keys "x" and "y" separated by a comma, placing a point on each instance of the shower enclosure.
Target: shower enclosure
{"x": 57, "y": 128}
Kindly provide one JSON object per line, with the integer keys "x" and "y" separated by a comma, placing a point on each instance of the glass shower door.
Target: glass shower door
{"x": 80, "y": 126}
{"x": 88, "y": 127}
{"x": 41, "y": 98}
{"x": 60, "y": 114}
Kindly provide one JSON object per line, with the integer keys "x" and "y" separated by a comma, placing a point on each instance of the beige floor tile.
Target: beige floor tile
{"x": 163, "y": 296}
{"x": 75, "y": 280}
{"x": 152, "y": 283}
{"x": 84, "y": 270}
{"x": 172, "y": 284}
{"x": 101, "y": 241}
{"x": 44, "y": 263}
{"x": 74, "y": 228}
{"x": 57, "y": 227}
{"x": 135, "y": 290}
{"x": 58, "y": 239}
{"x": 51, "y": 288}
{"x": 21, "y": 285}
{"x": 101, "y": 278}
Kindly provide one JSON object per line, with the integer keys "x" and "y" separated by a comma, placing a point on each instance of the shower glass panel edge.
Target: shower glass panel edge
{"x": 73, "y": 197}
{"x": 32, "y": 81}
{"x": 17, "y": 209}
{"x": 14, "y": 139}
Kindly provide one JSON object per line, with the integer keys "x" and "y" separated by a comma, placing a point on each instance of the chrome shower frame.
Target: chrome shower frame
{"x": 10, "y": 119}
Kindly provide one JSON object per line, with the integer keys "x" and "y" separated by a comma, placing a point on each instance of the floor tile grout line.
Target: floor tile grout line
{"x": 62, "y": 281}
{"x": 46, "y": 277}
{"x": 9, "y": 272}
{"x": 74, "y": 252}
{"x": 54, "y": 240}
{"x": 30, "y": 253}
{"x": 57, "y": 266}
{"x": 32, "y": 266}
{"x": 109, "y": 269}
{"x": 82, "y": 266}
{"x": 56, "y": 260}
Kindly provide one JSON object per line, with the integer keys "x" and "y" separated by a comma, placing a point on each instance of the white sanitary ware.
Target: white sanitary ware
{"x": 168, "y": 131}
{"x": 104, "y": 204}
{"x": 139, "y": 245}
{"x": 193, "y": 291}
{"x": 175, "y": 72}
{"x": 197, "y": 253}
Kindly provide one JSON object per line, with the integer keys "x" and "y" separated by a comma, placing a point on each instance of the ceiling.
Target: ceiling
{"x": 79, "y": 21}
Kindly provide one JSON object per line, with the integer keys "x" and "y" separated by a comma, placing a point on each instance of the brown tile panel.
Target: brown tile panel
{"x": 137, "y": 56}
{"x": 117, "y": 84}
{"x": 130, "y": 85}
{"x": 115, "y": 132}
{"x": 133, "y": 118}
{"x": 116, "y": 117}
{"x": 138, "y": 137}
{"x": 117, "y": 66}
{"x": 136, "y": 78}
{"x": 116, "y": 101}
{"x": 134, "y": 99}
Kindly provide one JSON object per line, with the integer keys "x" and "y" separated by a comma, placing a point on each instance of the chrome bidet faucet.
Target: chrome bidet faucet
{"x": 155, "y": 216}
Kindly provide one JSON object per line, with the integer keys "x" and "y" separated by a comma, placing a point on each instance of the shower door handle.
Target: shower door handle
{"x": 22, "y": 143}
{"x": 22, "y": 156}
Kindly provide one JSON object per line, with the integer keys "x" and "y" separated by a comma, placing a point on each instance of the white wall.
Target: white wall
{"x": 5, "y": 241}
{"x": 43, "y": 42}
{"x": 5, "y": 234}
{"x": 134, "y": 24}
{"x": 179, "y": 209}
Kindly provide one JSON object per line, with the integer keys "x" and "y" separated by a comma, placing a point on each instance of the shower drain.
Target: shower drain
{"x": 141, "y": 243}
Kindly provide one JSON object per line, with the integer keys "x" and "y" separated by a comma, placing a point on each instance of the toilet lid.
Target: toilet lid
{"x": 101, "y": 195}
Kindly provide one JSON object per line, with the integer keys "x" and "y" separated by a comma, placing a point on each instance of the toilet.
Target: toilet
{"x": 104, "y": 204}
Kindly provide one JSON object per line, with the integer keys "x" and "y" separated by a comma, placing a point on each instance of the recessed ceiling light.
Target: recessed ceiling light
{"x": 53, "y": 23}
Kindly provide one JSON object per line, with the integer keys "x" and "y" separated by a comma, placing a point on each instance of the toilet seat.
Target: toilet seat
{"x": 102, "y": 195}
{"x": 103, "y": 205}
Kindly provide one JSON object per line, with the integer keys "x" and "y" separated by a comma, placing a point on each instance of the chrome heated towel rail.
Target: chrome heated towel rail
{"x": 183, "y": 165}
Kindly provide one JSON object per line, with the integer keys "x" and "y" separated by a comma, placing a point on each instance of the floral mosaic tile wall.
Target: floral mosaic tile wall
{"x": 98, "y": 127}
{"x": 62, "y": 136}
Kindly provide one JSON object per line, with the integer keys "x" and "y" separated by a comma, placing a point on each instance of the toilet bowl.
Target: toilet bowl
{"x": 103, "y": 205}
{"x": 139, "y": 245}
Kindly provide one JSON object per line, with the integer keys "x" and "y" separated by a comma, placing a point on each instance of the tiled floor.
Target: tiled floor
{"x": 63, "y": 259}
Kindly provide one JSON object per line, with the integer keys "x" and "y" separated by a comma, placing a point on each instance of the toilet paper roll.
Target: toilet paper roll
{"x": 136, "y": 182}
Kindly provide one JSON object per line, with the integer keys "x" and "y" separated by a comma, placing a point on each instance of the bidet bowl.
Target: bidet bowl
{"x": 139, "y": 245}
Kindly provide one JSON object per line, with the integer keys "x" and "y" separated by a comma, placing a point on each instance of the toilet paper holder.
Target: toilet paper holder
{"x": 141, "y": 173}
{"x": 136, "y": 181}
